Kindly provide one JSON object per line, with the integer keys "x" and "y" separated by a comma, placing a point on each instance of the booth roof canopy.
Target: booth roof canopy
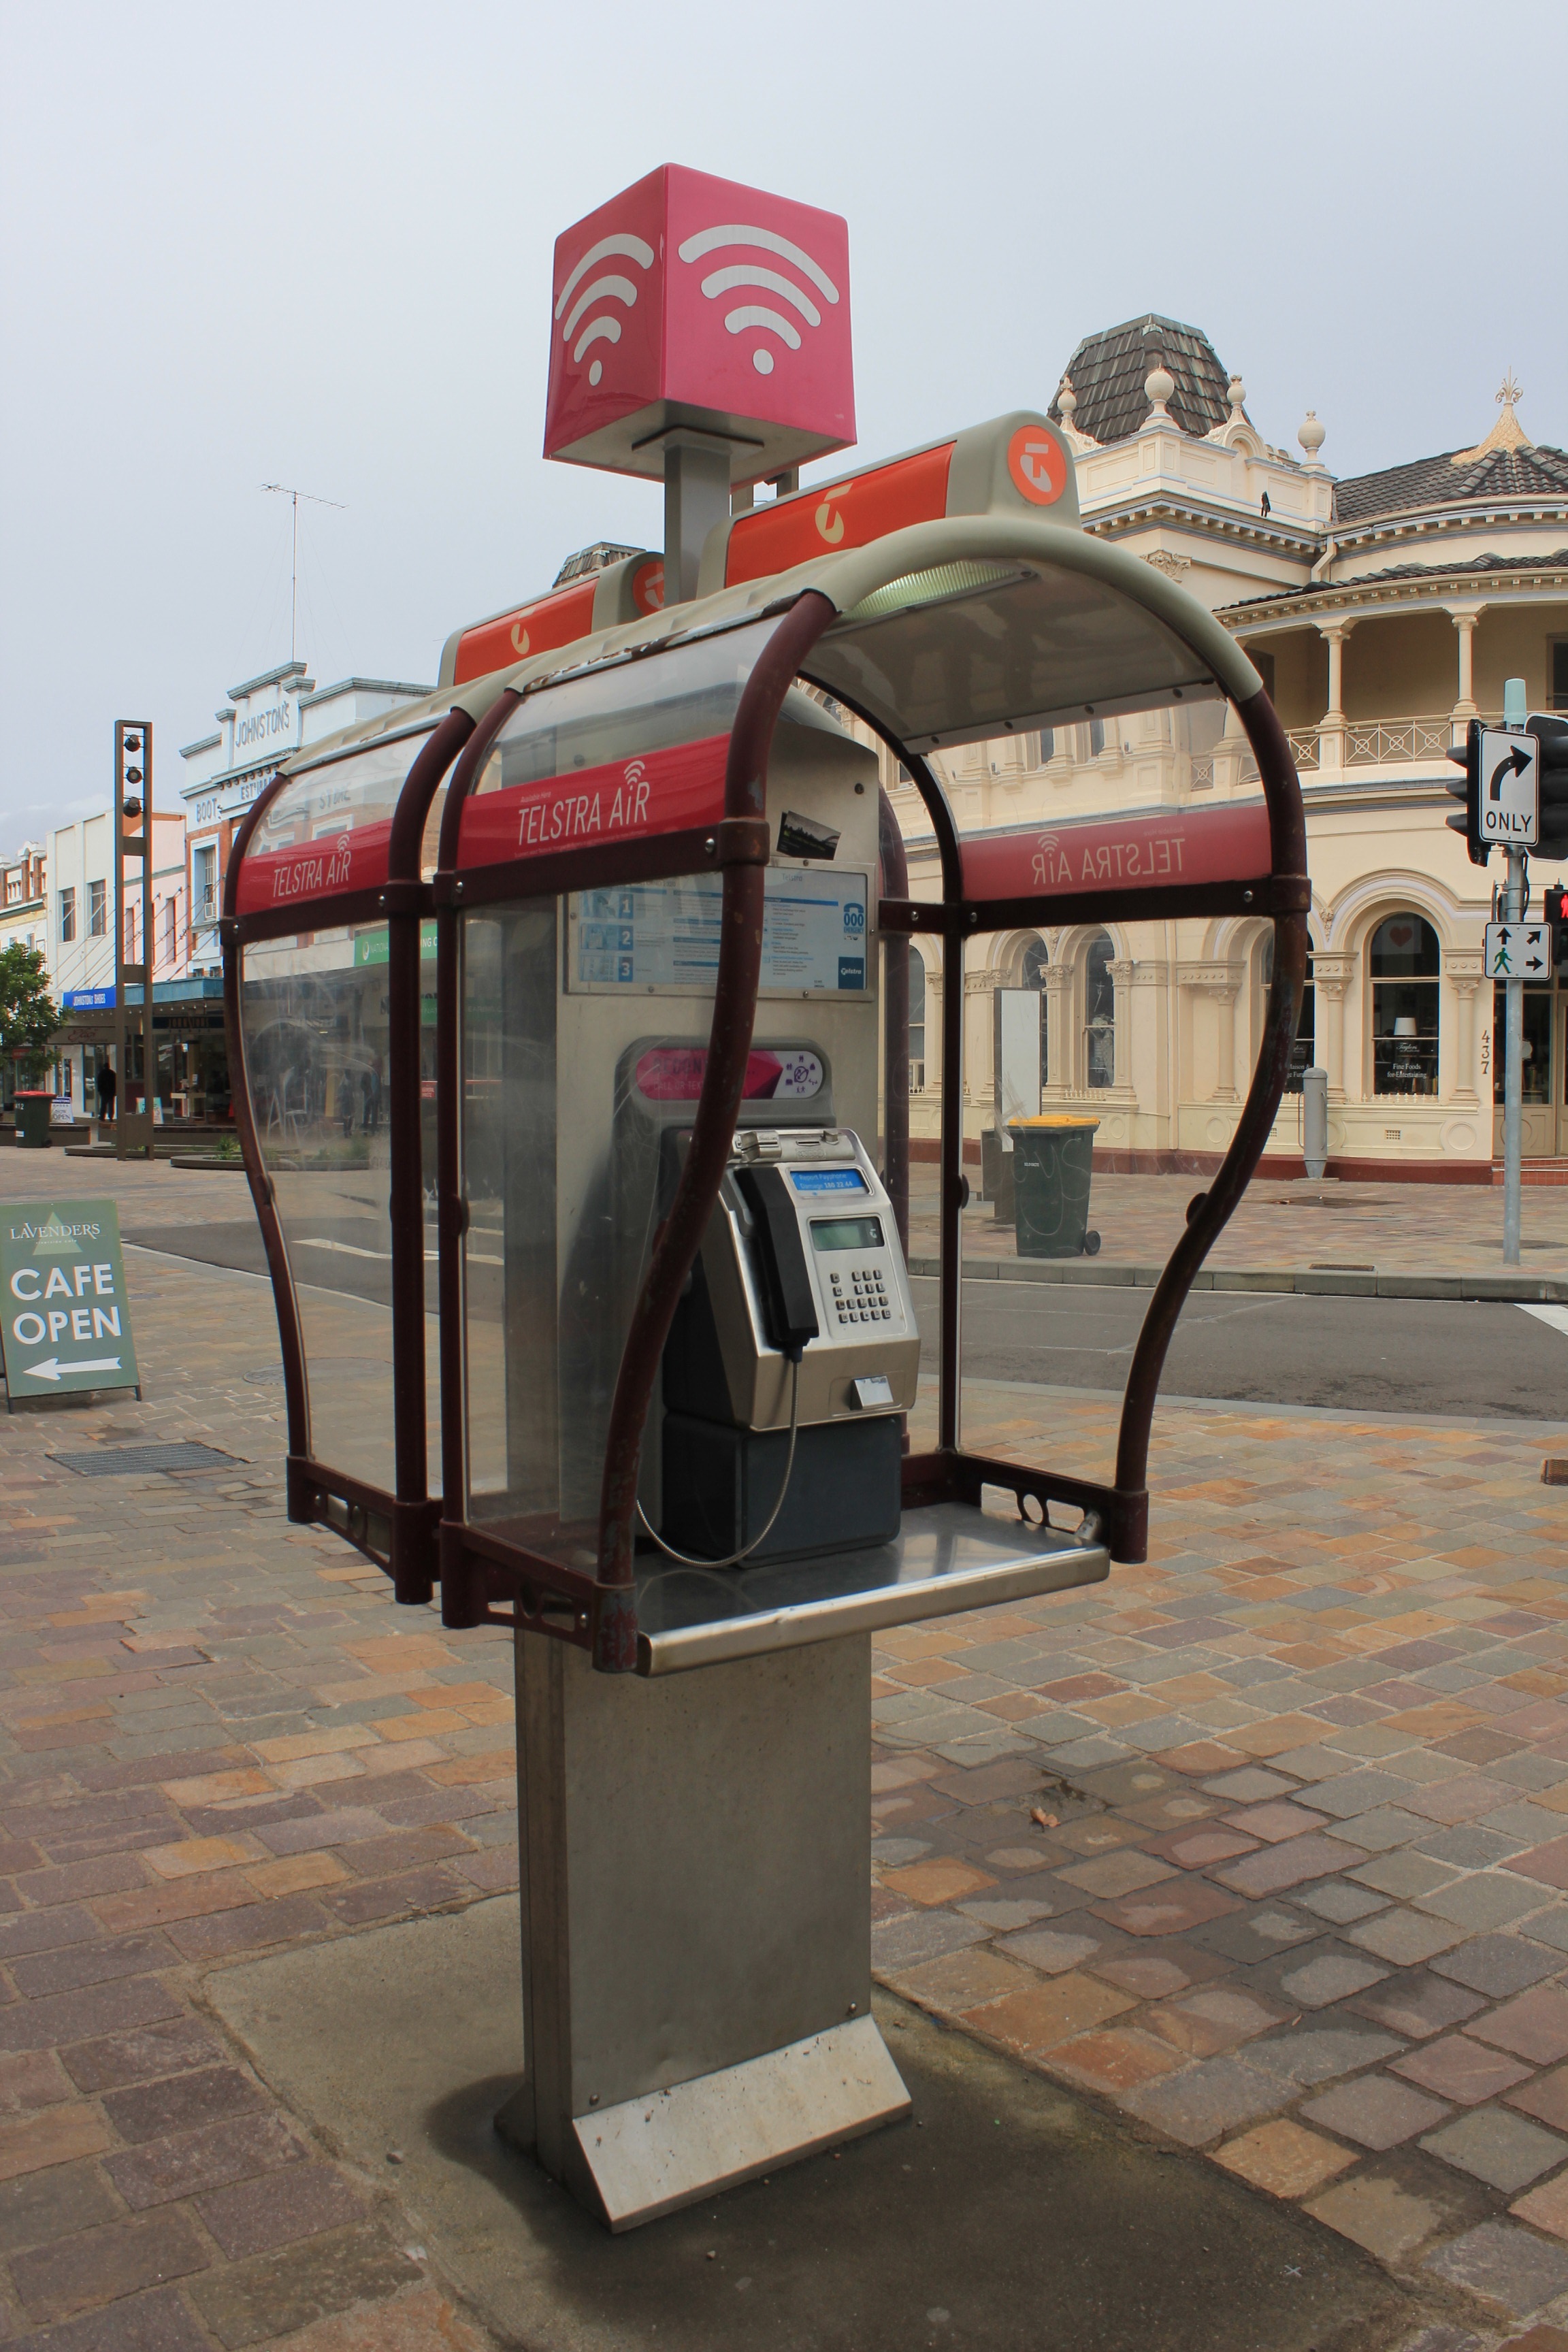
{"x": 1108, "y": 371}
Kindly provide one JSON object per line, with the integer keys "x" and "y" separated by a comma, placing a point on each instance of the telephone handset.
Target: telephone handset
{"x": 789, "y": 1309}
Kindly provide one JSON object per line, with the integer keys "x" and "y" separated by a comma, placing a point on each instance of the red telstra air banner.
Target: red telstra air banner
{"x": 662, "y": 792}
{"x": 1133, "y": 853}
{"x": 325, "y": 867}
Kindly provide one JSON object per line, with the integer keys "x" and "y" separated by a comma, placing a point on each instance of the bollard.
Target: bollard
{"x": 1315, "y": 1121}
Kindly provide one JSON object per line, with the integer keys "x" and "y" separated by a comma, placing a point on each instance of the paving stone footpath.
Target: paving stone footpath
{"x": 1421, "y": 1240}
{"x": 1264, "y": 1845}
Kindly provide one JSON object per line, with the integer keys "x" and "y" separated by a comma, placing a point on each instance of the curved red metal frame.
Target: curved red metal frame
{"x": 313, "y": 1487}
{"x": 598, "y": 1613}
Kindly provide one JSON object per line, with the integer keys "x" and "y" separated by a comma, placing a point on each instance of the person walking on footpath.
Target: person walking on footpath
{"x": 346, "y": 1105}
{"x": 106, "y": 1083}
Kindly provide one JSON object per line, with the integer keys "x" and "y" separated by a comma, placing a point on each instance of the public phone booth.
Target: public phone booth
{"x": 599, "y": 1320}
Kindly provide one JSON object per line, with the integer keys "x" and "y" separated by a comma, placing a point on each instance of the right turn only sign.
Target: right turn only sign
{"x": 1509, "y": 798}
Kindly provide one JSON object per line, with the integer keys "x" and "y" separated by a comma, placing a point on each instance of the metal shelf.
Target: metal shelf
{"x": 947, "y": 1557}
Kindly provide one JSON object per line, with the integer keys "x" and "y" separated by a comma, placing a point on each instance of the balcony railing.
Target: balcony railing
{"x": 1395, "y": 741}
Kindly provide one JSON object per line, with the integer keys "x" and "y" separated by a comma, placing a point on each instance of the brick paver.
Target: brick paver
{"x": 1255, "y": 1844}
{"x": 1396, "y": 1229}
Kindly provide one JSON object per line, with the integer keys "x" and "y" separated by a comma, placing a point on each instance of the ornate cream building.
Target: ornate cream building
{"x": 1384, "y": 611}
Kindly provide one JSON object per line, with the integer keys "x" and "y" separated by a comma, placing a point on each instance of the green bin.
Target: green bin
{"x": 33, "y": 1118}
{"x": 1052, "y": 1160}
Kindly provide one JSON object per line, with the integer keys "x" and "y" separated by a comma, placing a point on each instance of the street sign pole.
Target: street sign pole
{"x": 1513, "y": 1062}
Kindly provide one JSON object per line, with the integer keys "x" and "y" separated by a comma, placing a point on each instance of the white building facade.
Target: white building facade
{"x": 1383, "y": 614}
{"x": 263, "y": 724}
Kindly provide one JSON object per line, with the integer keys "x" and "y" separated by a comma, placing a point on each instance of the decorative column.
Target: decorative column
{"x": 1225, "y": 994}
{"x": 1463, "y": 973}
{"x": 1331, "y": 978}
{"x": 1331, "y": 732}
{"x": 1464, "y": 622}
{"x": 1061, "y": 1053}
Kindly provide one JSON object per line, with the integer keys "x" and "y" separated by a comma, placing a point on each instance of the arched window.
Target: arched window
{"x": 917, "y": 1022}
{"x": 1404, "y": 965}
{"x": 1304, "y": 1048}
{"x": 1032, "y": 974}
{"x": 1100, "y": 1011}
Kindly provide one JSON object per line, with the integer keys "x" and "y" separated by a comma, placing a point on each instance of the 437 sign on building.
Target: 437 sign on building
{"x": 67, "y": 1318}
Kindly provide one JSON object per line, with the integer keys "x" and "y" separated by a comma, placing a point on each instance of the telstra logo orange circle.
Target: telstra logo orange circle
{"x": 1037, "y": 463}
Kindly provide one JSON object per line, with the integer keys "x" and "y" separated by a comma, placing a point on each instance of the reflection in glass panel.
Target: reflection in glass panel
{"x": 1405, "y": 962}
{"x": 1037, "y": 962}
{"x": 1100, "y": 1011}
{"x": 574, "y": 1112}
{"x": 686, "y": 694}
{"x": 1304, "y": 1044}
{"x": 316, "y": 1033}
{"x": 917, "y": 1022}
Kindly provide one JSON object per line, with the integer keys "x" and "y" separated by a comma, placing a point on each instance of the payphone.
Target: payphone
{"x": 792, "y": 1360}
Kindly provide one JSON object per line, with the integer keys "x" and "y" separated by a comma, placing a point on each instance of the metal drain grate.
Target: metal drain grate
{"x": 136, "y": 1461}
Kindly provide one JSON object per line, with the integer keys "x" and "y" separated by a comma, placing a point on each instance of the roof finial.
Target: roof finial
{"x": 1067, "y": 401}
{"x": 1235, "y": 392}
{"x": 1311, "y": 435}
{"x": 1158, "y": 386}
{"x": 1508, "y": 433}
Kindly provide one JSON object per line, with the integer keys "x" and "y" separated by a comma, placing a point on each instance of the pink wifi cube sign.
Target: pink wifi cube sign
{"x": 692, "y": 300}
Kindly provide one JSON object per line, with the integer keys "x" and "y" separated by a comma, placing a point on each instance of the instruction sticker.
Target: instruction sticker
{"x": 67, "y": 1319}
{"x": 664, "y": 936}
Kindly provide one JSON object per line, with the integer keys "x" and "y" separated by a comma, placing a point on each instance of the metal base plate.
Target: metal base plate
{"x": 650, "y": 2155}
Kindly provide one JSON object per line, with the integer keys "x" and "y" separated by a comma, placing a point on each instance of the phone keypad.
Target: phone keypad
{"x": 860, "y": 1294}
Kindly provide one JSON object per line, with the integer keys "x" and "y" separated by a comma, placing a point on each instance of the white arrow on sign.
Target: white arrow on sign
{"x": 51, "y": 1369}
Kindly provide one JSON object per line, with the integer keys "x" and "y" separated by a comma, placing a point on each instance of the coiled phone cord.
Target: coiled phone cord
{"x": 690, "y": 1559}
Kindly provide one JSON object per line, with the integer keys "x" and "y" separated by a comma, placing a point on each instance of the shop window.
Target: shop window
{"x": 204, "y": 882}
{"x": 1535, "y": 1069}
{"x": 1044, "y": 745}
{"x": 917, "y": 1022}
{"x": 1559, "y": 672}
{"x": 131, "y": 934}
{"x": 1405, "y": 966}
{"x": 68, "y": 917}
{"x": 170, "y": 930}
{"x": 1037, "y": 962}
{"x": 1099, "y": 1011}
{"x": 1095, "y": 737}
{"x": 97, "y": 909}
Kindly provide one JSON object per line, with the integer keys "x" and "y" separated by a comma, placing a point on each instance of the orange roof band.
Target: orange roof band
{"x": 841, "y": 514}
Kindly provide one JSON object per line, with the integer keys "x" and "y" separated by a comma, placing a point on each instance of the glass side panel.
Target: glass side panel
{"x": 315, "y": 1019}
{"x": 643, "y": 743}
{"x": 953, "y": 660}
{"x": 575, "y": 1109}
{"x": 328, "y": 829}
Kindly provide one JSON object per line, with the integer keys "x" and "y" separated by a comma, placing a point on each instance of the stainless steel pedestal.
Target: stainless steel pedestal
{"x": 696, "y": 1867}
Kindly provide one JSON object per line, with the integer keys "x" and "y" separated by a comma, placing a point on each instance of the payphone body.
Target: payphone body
{"x": 792, "y": 1360}
{"x": 601, "y": 1005}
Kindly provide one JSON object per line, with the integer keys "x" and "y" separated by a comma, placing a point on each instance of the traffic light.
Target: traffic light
{"x": 1467, "y": 789}
{"x": 1557, "y": 924}
{"x": 1552, "y": 769}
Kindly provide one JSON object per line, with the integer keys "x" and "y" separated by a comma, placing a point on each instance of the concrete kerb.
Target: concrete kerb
{"x": 1347, "y": 1282}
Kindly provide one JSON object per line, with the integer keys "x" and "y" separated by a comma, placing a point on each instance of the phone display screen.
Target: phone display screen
{"x": 846, "y": 1234}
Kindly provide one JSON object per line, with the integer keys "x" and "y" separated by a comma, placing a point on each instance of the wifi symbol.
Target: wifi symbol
{"x": 719, "y": 282}
{"x": 606, "y": 327}
{"x": 634, "y": 770}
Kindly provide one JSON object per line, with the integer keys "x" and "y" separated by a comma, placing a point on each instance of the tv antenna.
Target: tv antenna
{"x": 283, "y": 490}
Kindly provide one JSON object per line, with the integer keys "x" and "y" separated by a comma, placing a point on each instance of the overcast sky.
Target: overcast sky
{"x": 313, "y": 245}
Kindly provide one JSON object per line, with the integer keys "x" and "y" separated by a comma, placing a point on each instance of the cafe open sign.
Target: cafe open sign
{"x": 67, "y": 1318}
